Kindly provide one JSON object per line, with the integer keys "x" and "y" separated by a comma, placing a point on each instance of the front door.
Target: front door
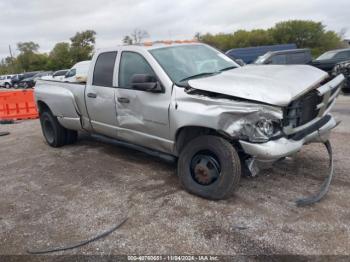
{"x": 100, "y": 95}
{"x": 142, "y": 117}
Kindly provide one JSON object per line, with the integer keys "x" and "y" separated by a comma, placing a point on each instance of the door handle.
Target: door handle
{"x": 123, "y": 100}
{"x": 92, "y": 95}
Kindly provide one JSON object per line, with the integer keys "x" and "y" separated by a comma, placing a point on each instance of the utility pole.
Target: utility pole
{"x": 10, "y": 52}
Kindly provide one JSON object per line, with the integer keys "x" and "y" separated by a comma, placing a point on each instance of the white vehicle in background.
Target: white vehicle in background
{"x": 57, "y": 76}
{"x": 78, "y": 73}
{"x": 5, "y": 81}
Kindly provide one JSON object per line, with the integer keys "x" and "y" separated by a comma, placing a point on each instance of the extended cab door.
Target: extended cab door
{"x": 142, "y": 116}
{"x": 100, "y": 94}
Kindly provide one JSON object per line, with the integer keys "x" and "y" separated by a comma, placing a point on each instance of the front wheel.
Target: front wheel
{"x": 7, "y": 86}
{"x": 209, "y": 166}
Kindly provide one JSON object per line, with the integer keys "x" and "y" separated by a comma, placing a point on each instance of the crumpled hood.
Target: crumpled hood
{"x": 272, "y": 84}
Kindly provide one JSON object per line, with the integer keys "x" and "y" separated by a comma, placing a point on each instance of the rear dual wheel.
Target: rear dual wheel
{"x": 210, "y": 167}
{"x": 55, "y": 134}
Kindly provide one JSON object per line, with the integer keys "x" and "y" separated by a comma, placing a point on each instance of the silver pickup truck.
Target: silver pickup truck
{"x": 191, "y": 103}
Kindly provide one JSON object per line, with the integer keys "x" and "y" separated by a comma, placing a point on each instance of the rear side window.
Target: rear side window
{"x": 343, "y": 55}
{"x": 104, "y": 68}
{"x": 299, "y": 58}
{"x": 130, "y": 64}
{"x": 279, "y": 60}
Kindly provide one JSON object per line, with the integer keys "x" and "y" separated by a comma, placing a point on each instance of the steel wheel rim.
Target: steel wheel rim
{"x": 205, "y": 168}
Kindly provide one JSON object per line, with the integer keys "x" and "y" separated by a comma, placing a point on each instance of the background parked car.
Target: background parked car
{"x": 250, "y": 54}
{"x": 57, "y": 76}
{"x": 17, "y": 79}
{"x": 78, "y": 73}
{"x": 343, "y": 68}
{"x": 5, "y": 81}
{"x": 29, "y": 82}
{"x": 286, "y": 57}
{"x": 328, "y": 60}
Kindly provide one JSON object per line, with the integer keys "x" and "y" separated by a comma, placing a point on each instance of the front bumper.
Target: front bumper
{"x": 276, "y": 149}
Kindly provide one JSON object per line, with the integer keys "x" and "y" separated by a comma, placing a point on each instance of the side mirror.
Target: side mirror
{"x": 145, "y": 82}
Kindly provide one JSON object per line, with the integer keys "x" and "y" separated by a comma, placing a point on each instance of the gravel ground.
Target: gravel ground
{"x": 50, "y": 197}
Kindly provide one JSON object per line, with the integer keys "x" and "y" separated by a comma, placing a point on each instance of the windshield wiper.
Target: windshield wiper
{"x": 228, "y": 68}
{"x": 204, "y": 74}
{"x": 198, "y": 75}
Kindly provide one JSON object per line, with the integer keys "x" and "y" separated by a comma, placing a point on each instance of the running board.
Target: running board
{"x": 154, "y": 153}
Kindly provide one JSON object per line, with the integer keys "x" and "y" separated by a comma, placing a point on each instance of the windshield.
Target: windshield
{"x": 186, "y": 61}
{"x": 327, "y": 55}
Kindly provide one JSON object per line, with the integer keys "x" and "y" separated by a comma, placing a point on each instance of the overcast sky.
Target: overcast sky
{"x": 47, "y": 22}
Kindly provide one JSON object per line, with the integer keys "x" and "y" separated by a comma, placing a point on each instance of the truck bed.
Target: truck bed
{"x": 66, "y": 102}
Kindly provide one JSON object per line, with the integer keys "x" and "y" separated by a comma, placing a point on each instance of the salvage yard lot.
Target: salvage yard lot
{"x": 52, "y": 197}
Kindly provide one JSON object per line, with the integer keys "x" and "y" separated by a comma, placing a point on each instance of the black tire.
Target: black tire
{"x": 216, "y": 174}
{"x": 7, "y": 85}
{"x": 72, "y": 137}
{"x": 54, "y": 133}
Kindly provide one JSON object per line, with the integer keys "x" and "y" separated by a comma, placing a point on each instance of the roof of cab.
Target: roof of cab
{"x": 154, "y": 45}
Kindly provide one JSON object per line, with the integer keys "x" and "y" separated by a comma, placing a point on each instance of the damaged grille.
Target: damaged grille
{"x": 311, "y": 107}
{"x": 302, "y": 110}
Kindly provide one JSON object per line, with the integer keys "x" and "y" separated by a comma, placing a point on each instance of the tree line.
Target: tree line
{"x": 63, "y": 55}
{"x": 304, "y": 33}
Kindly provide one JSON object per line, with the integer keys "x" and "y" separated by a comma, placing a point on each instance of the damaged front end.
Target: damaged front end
{"x": 238, "y": 119}
{"x": 243, "y": 121}
{"x": 265, "y": 133}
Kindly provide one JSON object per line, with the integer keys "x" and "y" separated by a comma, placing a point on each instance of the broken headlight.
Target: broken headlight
{"x": 262, "y": 130}
{"x": 266, "y": 127}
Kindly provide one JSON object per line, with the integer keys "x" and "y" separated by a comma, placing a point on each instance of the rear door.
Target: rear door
{"x": 100, "y": 94}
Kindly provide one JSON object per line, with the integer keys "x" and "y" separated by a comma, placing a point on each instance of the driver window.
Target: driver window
{"x": 130, "y": 64}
